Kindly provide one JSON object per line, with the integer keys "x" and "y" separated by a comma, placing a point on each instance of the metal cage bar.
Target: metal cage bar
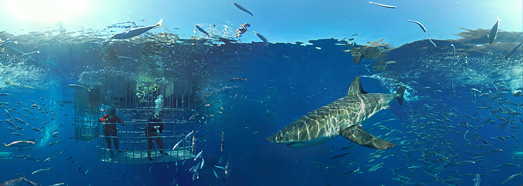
{"x": 86, "y": 107}
{"x": 135, "y": 101}
{"x": 134, "y": 146}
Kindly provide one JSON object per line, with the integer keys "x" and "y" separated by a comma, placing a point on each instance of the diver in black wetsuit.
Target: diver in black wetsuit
{"x": 152, "y": 131}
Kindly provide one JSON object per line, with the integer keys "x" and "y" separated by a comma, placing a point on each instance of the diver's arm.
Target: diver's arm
{"x": 103, "y": 118}
{"x": 119, "y": 120}
{"x": 161, "y": 127}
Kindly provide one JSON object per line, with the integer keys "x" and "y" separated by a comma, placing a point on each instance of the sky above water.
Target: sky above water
{"x": 277, "y": 20}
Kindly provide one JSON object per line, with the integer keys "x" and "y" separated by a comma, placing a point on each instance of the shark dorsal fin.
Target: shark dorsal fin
{"x": 355, "y": 87}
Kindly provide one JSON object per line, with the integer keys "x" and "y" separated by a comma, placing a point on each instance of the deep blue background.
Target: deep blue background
{"x": 284, "y": 82}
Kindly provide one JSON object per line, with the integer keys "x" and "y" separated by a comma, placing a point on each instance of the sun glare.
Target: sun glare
{"x": 45, "y": 11}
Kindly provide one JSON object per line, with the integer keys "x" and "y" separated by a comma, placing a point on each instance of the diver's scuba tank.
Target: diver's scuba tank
{"x": 157, "y": 128}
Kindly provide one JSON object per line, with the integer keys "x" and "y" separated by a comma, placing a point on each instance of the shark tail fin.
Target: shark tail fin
{"x": 399, "y": 94}
{"x": 159, "y": 23}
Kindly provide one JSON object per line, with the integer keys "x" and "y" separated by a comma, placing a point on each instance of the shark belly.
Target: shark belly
{"x": 309, "y": 143}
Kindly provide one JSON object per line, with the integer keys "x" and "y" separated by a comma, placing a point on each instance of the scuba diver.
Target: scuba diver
{"x": 152, "y": 131}
{"x": 109, "y": 121}
{"x": 242, "y": 30}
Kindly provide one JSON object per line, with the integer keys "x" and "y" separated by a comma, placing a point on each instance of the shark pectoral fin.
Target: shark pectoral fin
{"x": 357, "y": 135}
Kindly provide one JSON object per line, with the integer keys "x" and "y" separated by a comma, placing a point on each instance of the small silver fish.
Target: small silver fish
{"x": 76, "y": 86}
{"x": 512, "y": 51}
{"x": 261, "y": 37}
{"x": 419, "y": 24}
{"x": 17, "y": 134}
{"x": 19, "y": 120}
{"x": 511, "y": 177}
{"x": 376, "y": 167}
{"x": 190, "y": 133}
{"x": 49, "y": 159}
{"x": 40, "y": 171}
{"x": 432, "y": 42}
{"x": 193, "y": 144}
{"x": 7, "y": 42}
{"x": 227, "y": 166}
{"x": 223, "y": 143}
{"x": 198, "y": 155}
{"x": 29, "y": 53}
{"x": 203, "y": 31}
{"x": 215, "y": 173}
{"x": 7, "y": 113}
{"x": 383, "y": 5}
{"x": 177, "y": 144}
{"x": 20, "y": 144}
{"x": 242, "y": 8}
{"x": 194, "y": 170}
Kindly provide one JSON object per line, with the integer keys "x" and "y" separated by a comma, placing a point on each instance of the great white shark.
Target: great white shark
{"x": 342, "y": 117}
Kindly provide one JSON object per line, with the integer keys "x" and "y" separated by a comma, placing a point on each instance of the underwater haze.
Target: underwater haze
{"x": 261, "y": 92}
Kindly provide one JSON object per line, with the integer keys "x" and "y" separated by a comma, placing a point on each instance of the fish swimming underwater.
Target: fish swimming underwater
{"x": 202, "y": 30}
{"x": 76, "y": 86}
{"x": 419, "y": 24}
{"x": 18, "y": 181}
{"x": 512, "y": 51}
{"x": 383, "y": 5}
{"x": 261, "y": 37}
{"x": 20, "y": 144}
{"x": 135, "y": 32}
{"x": 493, "y": 32}
{"x": 242, "y": 8}
{"x": 341, "y": 117}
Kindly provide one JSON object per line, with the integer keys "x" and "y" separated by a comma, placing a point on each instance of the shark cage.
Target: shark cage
{"x": 156, "y": 118}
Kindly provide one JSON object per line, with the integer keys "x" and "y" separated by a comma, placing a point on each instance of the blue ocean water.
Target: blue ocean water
{"x": 461, "y": 113}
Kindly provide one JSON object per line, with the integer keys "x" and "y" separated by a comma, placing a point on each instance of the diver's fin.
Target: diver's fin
{"x": 399, "y": 94}
{"x": 357, "y": 135}
{"x": 355, "y": 87}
